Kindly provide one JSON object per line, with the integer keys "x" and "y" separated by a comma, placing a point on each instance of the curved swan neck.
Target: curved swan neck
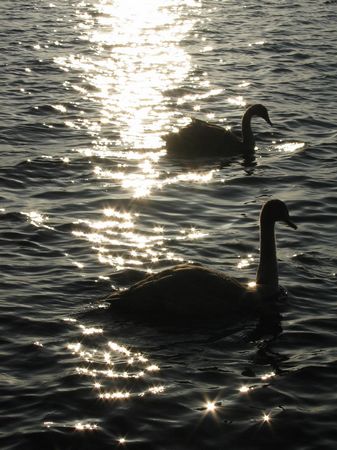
{"x": 267, "y": 273}
{"x": 247, "y": 134}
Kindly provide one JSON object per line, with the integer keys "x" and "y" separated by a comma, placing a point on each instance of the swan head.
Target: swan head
{"x": 276, "y": 211}
{"x": 260, "y": 111}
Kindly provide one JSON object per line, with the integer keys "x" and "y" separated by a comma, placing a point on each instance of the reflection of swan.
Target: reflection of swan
{"x": 201, "y": 138}
{"x": 193, "y": 291}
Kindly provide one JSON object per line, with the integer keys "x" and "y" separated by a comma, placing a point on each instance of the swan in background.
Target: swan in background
{"x": 193, "y": 292}
{"x": 201, "y": 138}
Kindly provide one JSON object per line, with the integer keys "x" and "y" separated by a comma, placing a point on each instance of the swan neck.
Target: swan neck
{"x": 267, "y": 273}
{"x": 247, "y": 134}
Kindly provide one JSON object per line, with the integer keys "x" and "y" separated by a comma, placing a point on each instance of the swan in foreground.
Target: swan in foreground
{"x": 192, "y": 291}
{"x": 201, "y": 138}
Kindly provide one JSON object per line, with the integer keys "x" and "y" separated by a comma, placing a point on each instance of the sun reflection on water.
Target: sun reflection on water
{"x": 237, "y": 101}
{"x": 137, "y": 58}
{"x": 268, "y": 375}
{"x": 108, "y": 365}
{"x": 148, "y": 177}
{"x": 119, "y": 244}
{"x": 266, "y": 418}
{"x": 86, "y": 426}
{"x": 245, "y": 262}
{"x": 290, "y": 147}
{"x": 101, "y": 149}
{"x": 37, "y": 219}
{"x": 90, "y": 330}
{"x": 210, "y": 406}
{"x": 244, "y": 389}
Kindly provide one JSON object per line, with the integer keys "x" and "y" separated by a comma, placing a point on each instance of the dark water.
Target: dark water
{"x": 89, "y": 200}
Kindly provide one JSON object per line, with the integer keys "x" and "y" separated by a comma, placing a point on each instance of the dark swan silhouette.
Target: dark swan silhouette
{"x": 201, "y": 138}
{"x": 192, "y": 291}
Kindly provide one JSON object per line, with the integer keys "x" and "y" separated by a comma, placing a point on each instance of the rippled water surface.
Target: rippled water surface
{"x": 90, "y": 201}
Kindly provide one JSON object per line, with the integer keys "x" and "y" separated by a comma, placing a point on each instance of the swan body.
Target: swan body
{"x": 200, "y": 138}
{"x": 193, "y": 291}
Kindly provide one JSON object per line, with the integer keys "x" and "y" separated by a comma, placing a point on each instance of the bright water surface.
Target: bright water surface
{"x": 89, "y": 200}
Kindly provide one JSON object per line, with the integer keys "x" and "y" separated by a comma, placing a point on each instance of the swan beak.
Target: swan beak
{"x": 291, "y": 224}
{"x": 265, "y": 116}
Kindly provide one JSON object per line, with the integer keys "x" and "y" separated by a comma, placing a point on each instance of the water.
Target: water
{"x": 89, "y": 200}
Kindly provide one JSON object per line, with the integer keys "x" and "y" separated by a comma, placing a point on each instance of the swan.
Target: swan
{"x": 192, "y": 291}
{"x": 200, "y": 138}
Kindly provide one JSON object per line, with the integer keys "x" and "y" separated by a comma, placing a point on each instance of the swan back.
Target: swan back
{"x": 183, "y": 291}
